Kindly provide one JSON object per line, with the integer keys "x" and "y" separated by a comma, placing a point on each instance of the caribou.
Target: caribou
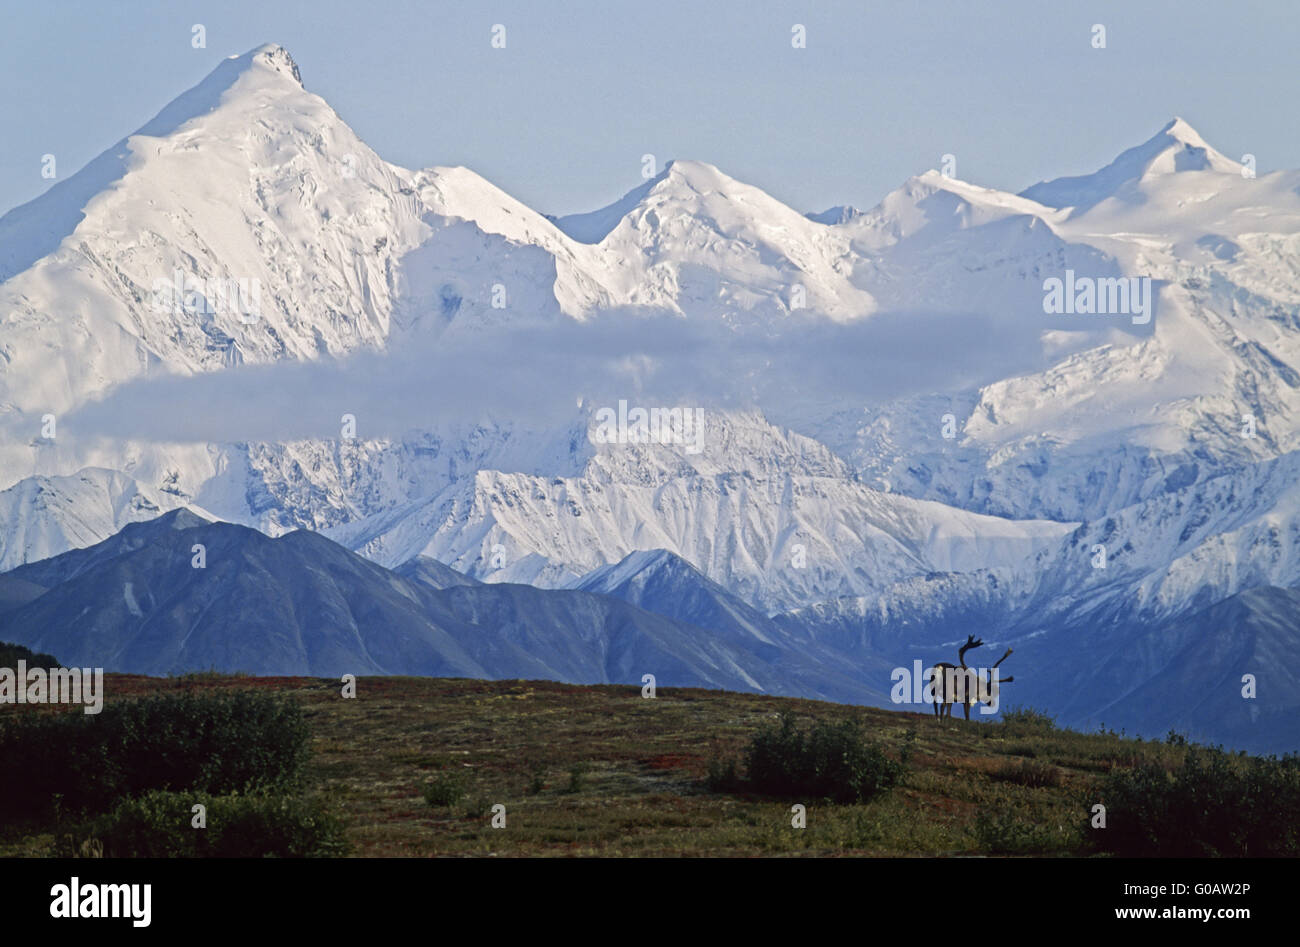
{"x": 951, "y": 685}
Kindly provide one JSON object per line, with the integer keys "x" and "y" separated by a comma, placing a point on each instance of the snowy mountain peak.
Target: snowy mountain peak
{"x": 932, "y": 182}
{"x": 694, "y": 239}
{"x": 246, "y": 180}
{"x": 263, "y": 73}
{"x": 272, "y": 56}
{"x": 938, "y": 205}
{"x": 682, "y": 188}
{"x": 697, "y": 184}
{"x": 637, "y": 566}
{"x": 240, "y": 84}
{"x": 1179, "y": 130}
{"x": 679, "y": 180}
{"x": 1177, "y": 148}
{"x": 700, "y": 176}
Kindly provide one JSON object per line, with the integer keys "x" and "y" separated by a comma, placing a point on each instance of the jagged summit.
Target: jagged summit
{"x": 269, "y": 59}
{"x": 678, "y": 177}
{"x": 245, "y": 177}
{"x": 180, "y": 518}
{"x": 1176, "y": 148}
{"x": 698, "y": 175}
{"x": 634, "y": 566}
{"x": 35, "y": 229}
{"x": 264, "y": 72}
{"x": 273, "y": 56}
{"x": 937, "y": 205}
{"x": 1178, "y": 129}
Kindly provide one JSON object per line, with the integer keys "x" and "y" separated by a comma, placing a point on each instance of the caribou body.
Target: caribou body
{"x": 953, "y": 684}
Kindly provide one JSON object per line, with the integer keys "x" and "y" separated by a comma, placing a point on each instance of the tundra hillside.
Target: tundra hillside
{"x": 414, "y": 767}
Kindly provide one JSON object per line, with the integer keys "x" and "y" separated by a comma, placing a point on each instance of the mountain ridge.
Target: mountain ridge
{"x": 886, "y": 399}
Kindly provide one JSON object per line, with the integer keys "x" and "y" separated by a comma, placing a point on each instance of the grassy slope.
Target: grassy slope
{"x": 645, "y": 761}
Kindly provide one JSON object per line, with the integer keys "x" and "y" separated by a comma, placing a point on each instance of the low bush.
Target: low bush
{"x": 1027, "y": 720}
{"x": 1214, "y": 805}
{"x": 1006, "y": 833}
{"x": 160, "y": 824}
{"x": 536, "y": 781}
{"x": 578, "y": 777}
{"x": 832, "y": 761}
{"x": 444, "y": 791}
{"x": 224, "y": 743}
{"x": 724, "y": 777}
{"x": 1028, "y": 772}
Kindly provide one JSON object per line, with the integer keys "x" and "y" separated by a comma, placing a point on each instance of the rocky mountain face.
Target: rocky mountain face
{"x": 179, "y": 593}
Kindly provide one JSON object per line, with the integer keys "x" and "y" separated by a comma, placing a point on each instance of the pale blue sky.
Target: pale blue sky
{"x": 561, "y": 117}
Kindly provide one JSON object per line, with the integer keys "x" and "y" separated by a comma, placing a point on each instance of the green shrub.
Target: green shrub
{"x": 827, "y": 761}
{"x": 907, "y": 748}
{"x": 159, "y": 824}
{"x": 1021, "y": 749}
{"x": 1008, "y": 834}
{"x": 210, "y": 676}
{"x": 536, "y": 781}
{"x": 224, "y": 743}
{"x": 723, "y": 777}
{"x": 578, "y": 777}
{"x": 1023, "y": 720}
{"x": 1028, "y": 772}
{"x": 1214, "y": 805}
{"x": 444, "y": 790}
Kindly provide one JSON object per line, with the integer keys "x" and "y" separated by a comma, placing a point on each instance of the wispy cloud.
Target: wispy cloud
{"x": 537, "y": 375}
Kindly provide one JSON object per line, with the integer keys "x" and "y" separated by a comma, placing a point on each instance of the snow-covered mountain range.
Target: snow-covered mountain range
{"x": 243, "y": 310}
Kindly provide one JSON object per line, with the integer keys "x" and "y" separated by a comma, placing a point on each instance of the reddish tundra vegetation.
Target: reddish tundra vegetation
{"x": 426, "y": 767}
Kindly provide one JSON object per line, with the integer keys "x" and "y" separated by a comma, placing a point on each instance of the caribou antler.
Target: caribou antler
{"x": 971, "y": 642}
{"x": 1004, "y": 680}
